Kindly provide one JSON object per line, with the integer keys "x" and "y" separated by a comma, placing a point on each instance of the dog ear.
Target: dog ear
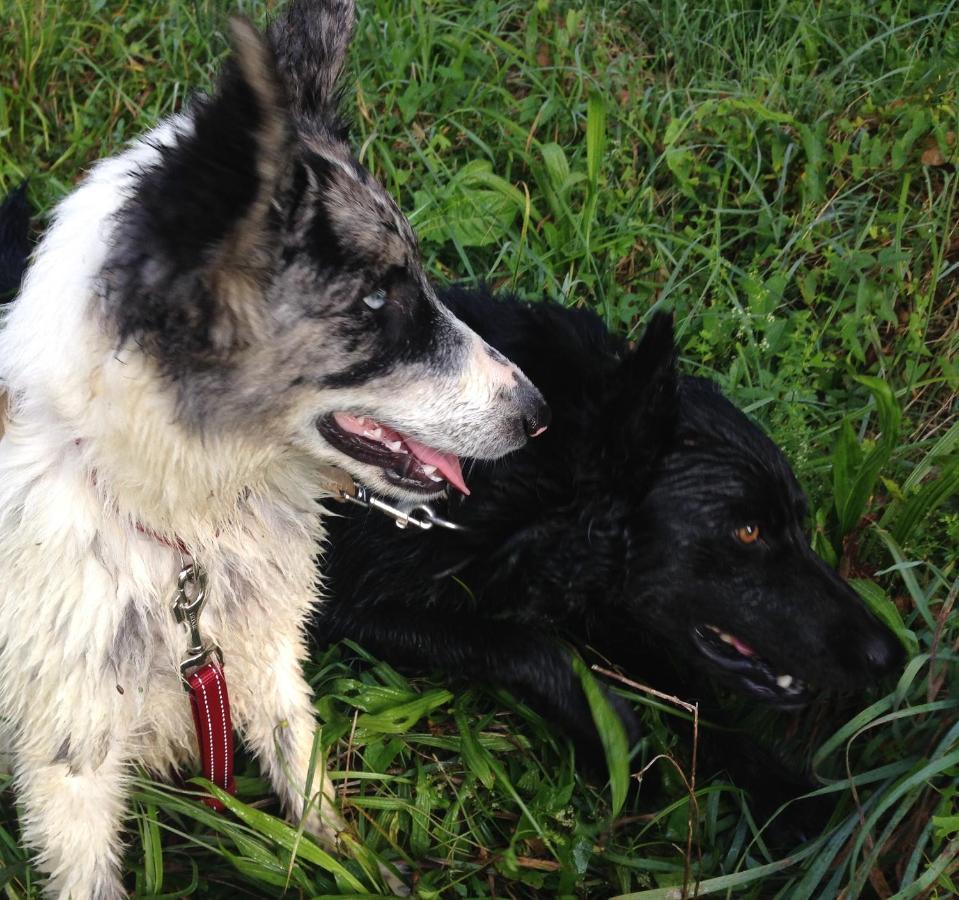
{"x": 647, "y": 396}
{"x": 310, "y": 40}
{"x": 195, "y": 243}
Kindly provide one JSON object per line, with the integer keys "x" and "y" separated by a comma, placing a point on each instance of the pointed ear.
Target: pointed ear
{"x": 648, "y": 392}
{"x": 310, "y": 39}
{"x": 194, "y": 245}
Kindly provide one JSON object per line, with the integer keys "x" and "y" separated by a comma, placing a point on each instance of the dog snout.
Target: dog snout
{"x": 530, "y": 414}
{"x": 534, "y": 413}
{"x": 882, "y": 651}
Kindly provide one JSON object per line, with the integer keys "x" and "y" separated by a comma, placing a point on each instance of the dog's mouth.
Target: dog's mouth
{"x": 756, "y": 675}
{"x": 405, "y": 462}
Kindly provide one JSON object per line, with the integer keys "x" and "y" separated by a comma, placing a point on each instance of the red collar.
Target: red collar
{"x": 176, "y": 544}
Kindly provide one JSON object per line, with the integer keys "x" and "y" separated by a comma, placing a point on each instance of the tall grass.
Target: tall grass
{"x": 782, "y": 174}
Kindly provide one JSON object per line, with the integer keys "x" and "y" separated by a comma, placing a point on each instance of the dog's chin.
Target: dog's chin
{"x": 392, "y": 485}
{"x": 747, "y": 671}
{"x": 386, "y": 461}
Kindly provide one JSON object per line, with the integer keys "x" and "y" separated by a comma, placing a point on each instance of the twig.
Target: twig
{"x": 692, "y": 821}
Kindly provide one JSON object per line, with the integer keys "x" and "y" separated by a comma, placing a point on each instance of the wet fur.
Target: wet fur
{"x": 614, "y": 531}
{"x": 195, "y": 308}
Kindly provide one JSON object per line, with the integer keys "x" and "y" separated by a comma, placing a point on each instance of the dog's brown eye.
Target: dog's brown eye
{"x": 748, "y": 534}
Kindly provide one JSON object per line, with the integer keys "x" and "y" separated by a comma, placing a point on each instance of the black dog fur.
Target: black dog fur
{"x": 15, "y": 215}
{"x": 618, "y": 530}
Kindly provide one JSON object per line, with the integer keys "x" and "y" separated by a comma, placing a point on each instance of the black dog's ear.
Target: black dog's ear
{"x": 310, "y": 40}
{"x": 647, "y": 373}
{"x": 647, "y": 395}
{"x": 196, "y": 241}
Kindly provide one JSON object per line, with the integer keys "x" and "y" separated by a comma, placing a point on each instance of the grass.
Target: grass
{"x": 783, "y": 175}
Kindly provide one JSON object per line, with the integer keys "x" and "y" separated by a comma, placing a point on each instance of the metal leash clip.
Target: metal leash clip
{"x": 421, "y": 515}
{"x": 187, "y": 610}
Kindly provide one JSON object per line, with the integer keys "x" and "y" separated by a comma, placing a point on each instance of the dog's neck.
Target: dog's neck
{"x": 176, "y": 481}
{"x": 127, "y": 448}
{"x": 115, "y": 427}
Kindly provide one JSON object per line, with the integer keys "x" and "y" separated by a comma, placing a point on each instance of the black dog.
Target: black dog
{"x": 15, "y": 214}
{"x": 653, "y": 522}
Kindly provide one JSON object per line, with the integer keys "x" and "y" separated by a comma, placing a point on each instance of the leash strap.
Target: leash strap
{"x": 210, "y": 703}
{"x": 202, "y": 674}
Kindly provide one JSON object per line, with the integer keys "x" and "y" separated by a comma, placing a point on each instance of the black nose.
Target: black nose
{"x": 883, "y": 652}
{"x": 535, "y": 413}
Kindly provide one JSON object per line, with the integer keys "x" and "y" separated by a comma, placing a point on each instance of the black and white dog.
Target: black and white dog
{"x": 654, "y": 522}
{"x": 215, "y": 313}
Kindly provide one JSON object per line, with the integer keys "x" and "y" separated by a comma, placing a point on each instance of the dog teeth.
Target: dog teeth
{"x": 394, "y": 445}
{"x": 429, "y": 470}
{"x": 784, "y": 681}
{"x": 722, "y": 635}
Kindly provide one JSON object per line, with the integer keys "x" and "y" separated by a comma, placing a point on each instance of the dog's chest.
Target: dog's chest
{"x": 253, "y": 614}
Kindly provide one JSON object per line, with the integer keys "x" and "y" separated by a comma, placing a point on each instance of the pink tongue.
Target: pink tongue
{"x": 447, "y": 464}
{"x": 744, "y": 649}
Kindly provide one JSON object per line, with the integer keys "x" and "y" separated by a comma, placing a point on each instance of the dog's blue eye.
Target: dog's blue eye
{"x": 376, "y": 299}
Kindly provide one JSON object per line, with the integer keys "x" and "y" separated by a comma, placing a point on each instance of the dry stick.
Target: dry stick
{"x": 935, "y": 683}
{"x": 344, "y": 788}
{"x": 692, "y": 821}
{"x": 934, "y": 686}
{"x": 936, "y": 680}
{"x": 868, "y": 841}
{"x": 876, "y": 877}
{"x": 348, "y": 760}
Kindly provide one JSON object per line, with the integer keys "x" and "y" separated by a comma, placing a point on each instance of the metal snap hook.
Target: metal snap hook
{"x": 186, "y": 610}
{"x": 421, "y": 516}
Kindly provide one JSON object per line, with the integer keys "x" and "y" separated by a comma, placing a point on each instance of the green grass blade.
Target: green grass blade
{"x": 611, "y": 734}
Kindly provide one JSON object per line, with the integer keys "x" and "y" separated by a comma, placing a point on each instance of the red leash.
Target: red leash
{"x": 202, "y": 675}
{"x": 211, "y": 714}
